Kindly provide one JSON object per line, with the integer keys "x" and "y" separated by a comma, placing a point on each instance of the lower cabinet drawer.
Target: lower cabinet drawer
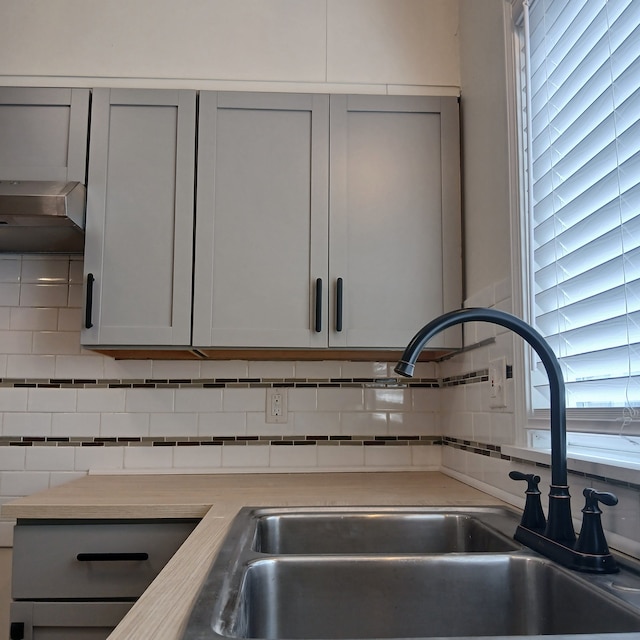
{"x": 92, "y": 561}
{"x": 65, "y": 620}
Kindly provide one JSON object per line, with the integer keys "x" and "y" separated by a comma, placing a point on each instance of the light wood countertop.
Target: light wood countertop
{"x": 162, "y": 611}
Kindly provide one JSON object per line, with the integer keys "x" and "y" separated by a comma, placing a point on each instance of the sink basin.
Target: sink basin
{"x": 360, "y": 573}
{"x": 417, "y": 597}
{"x": 380, "y": 531}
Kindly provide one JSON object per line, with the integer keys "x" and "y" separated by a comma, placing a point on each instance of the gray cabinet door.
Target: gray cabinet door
{"x": 43, "y": 133}
{"x": 139, "y": 233}
{"x": 395, "y": 236}
{"x": 261, "y": 227}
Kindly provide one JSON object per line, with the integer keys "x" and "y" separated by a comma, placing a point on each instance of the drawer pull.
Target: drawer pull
{"x": 111, "y": 557}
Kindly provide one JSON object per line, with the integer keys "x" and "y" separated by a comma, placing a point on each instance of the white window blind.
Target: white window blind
{"x": 583, "y": 114}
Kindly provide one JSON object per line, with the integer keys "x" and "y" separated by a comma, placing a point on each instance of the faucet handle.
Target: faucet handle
{"x": 591, "y": 540}
{"x": 532, "y": 516}
{"x": 592, "y": 497}
{"x": 531, "y": 479}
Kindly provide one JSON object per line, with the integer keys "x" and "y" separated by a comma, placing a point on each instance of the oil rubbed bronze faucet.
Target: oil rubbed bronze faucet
{"x": 555, "y": 538}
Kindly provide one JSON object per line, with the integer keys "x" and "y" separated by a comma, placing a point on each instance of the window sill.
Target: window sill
{"x": 616, "y": 465}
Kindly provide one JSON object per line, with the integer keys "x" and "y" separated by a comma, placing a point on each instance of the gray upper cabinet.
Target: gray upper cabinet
{"x": 395, "y": 240}
{"x": 43, "y": 133}
{"x": 321, "y": 222}
{"x": 261, "y": 223}
{"x": 139, "y": 233}
{"x": 325, "y": 222}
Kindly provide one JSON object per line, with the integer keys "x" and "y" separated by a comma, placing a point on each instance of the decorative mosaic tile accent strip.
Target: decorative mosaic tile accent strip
{"x": 216, "y": 383}
{"x": 227, "y": 441}
{"x": 494, "y": 451}
{"x": 467, "y": 378}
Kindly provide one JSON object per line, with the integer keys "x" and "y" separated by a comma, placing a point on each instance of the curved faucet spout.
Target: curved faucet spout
{"x": 559, "y": 524}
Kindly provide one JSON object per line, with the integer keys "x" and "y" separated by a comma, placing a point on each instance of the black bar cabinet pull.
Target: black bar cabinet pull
{"x": 339, "y": 290}
{"x": 89, "y": 306}
{"x": 318, "y": 326}
{"x": 112, "y": 557}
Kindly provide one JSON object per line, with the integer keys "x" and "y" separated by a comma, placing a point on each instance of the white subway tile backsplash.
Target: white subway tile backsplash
{"x": 149, "y": 400}
{"x": 122, "y": 425}
{"x": 389, "y": 399}
{"x": 76, "y": 295}
{"x": 296, "y": 457}
{"x": 323, "y": 370}
{"x": 12, "y": 458}
{"x": 101, "y": 400}
{"x": 175, "y": 369}
{"x": 56, "y": 342}
{"x": 258, "y": 426}
{"x": 16, "y": 342}
{"x": 364, "y": 423}
{"x": 44, "y": 295}
{"x": 9, "y": 294}
{"x": 197, "y": 457}
{"x": 244, "y": 399}
{"x": 425, "y": 399}
{"x": 27, "y": 424}
{"x": 222, "y": 424}
{"x": 271, "y": 369}
{"x": 60, "y": 400}
{"x": 173, "y": 424}
{"x": 99, "y": 458}
{"x": 340, "y": 456}
{"x": 198, "y": 400}
{"x": 365, "y": 370}
{"x": 340, "y": 399}
{"x": 126, "y": 369}
{"x": 88, "y": 366}
{"x": 5, "y": 318}
{"x": 224, "y": 369}
{"x": 415, "y": 423}
{"x": 13, "y": 399}
{"x": 253, "y": 457}
{"x": 384, "y": 456}
{"x": 75, "y": 425}
{"x": 316, "y": 423}
{"x": 57, "y": 478}
{"x": 426, "y": 457}
{"x": 10, "y": 269}
{"x": 23, "y": 483}
{"x": 76, "y": 275}
{"x": 148, "y": 458}
{"x": 48, "y": 270}
{"x": 69, "y": 319}
{"x": 302, "y": 399}
{"x": 34, "y": 319}
{"x": 49, "y": 458}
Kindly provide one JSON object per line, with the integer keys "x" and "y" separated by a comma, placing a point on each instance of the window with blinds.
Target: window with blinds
{"x": 582, "y": 133}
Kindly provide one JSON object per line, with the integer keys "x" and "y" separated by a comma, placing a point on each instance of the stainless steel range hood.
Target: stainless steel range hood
{"x": 42, "y": 217}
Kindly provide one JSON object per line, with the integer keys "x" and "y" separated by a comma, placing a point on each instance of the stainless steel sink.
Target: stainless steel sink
{"x": 364, "y": 573}
{"x": 350, "y": 531}
{"x": 428, "y": 596}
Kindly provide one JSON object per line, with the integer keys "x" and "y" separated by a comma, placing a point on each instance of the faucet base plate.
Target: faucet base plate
{"x": 566, "y": 556}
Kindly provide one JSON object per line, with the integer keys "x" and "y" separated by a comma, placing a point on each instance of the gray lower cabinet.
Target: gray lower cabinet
{"x": 78, "y": 579}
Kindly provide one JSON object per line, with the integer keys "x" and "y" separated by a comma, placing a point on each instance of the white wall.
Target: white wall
{"x": 395, "y": 46}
